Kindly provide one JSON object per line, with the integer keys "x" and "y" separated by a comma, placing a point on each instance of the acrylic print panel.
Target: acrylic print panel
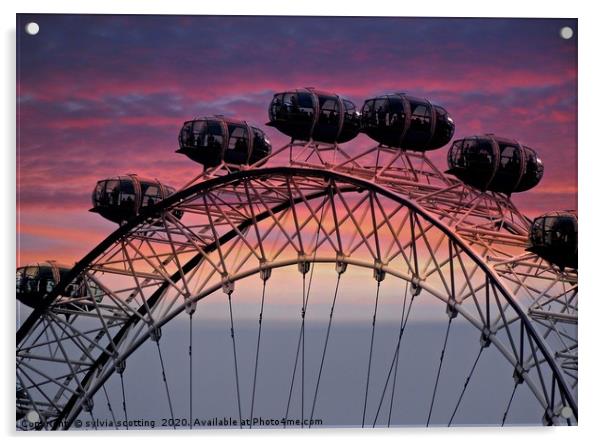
{"x": 295, "y": 222}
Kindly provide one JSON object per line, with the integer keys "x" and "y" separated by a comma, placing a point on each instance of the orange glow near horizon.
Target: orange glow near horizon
{"x": 91, "y": 107}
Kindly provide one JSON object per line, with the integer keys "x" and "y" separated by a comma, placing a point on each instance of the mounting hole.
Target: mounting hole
{"x": 566, "y": 32}
{"x": 32, "y": 28}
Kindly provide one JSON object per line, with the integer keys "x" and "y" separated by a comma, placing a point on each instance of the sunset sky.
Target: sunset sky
{"x": 104, "y": 95}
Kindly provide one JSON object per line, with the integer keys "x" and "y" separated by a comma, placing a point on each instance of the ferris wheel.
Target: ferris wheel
{"x": 290, "y": 287}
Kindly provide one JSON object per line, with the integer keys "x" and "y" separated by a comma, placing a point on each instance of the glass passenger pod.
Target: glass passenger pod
{"x": 117, "y": 199}
{"x": 218, "y": 139}
{"x": 533, "y": 170}
{"x": 309, "y": 114}
{"x": 422, "y": 124}
{"x": 511, "y": 167}
{"x": 494, "y": 163}
{"x": 121, "y": 198}
{"x": 406, "y": 122}
{"x": 34, "y": 281}
{"x": 330, "y": 118}
{"x": 351, "y": 124}
{"x": 384, "y": 119}
{"x": 474, "y": 161}
{"x": 554, "y": 237}
{"x": 240, "y": 143}
{"x": 444, "y": 128}
{"x": 262, "y": 147}
{"x": 204, "y": 140}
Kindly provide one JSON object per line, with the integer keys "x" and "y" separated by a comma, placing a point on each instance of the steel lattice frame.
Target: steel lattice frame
{"x": 489, "y": 221}
{"x": 386, "y": 210}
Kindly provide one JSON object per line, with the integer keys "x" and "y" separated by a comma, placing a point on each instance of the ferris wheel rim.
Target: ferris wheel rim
{"x": 221, "y": 181}
{"x": 422, "y": 284}
{"x": 161, "y": 206}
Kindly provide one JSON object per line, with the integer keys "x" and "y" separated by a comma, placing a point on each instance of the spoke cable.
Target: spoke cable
{"x": 166, "y": 384}
{"x": 110, "y": 408}
{"x": 290, "y": 392}
{"x": 123, "y": 403}
{"x": 190, "y": 367}
{"x": 370, "y": 355}
{"x": 304, "y": 310}
{"x": 235, "y": 358}
{"x": 395, "y": 361}
{"x": 509, "y": 403}
{"x": 301, "y": 339}
{"x": 466, "y": 385}
{"x": 415, "y": 293}
{"x": 257, "y": 353}
{"x": 305, "y": 298}
{"x": 392, "y": 390}
{"x": 428, "y": 421}
{"x": 92, "y": 415}
{"x": 334, "y": 300}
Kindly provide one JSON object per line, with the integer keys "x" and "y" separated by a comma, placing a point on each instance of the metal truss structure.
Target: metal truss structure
{"x": 390, "y": 211}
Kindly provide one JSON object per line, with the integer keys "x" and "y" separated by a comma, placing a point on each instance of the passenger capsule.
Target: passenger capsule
{"x": 308, "y": 114}
{"x": 38, "y": 279}
{"x": 406, "y": 122}
{"x": 213, "y": 140}
{"x": 494, "y": 163}
{"x": 553, "y": 237}
{"x": 121, "y": 198}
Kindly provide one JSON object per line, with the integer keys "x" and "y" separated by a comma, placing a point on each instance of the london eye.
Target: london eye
{"x": 312, "y": 237}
